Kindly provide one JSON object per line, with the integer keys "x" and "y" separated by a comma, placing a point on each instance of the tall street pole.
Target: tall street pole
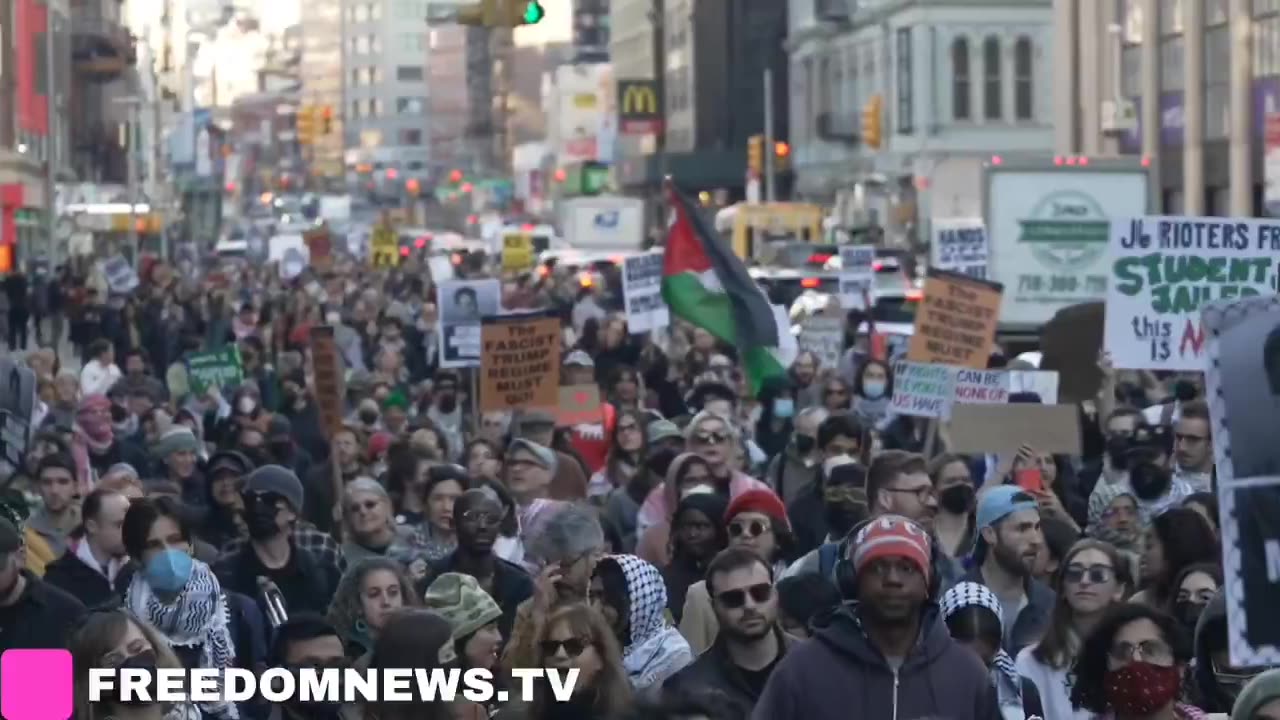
{"x": 770, "y": 191}
{"x": 52, "y": 143}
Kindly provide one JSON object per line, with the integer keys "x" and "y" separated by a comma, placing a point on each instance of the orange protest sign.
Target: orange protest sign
{"x": 956, "y": 322}
{"x": 520, "y": 363}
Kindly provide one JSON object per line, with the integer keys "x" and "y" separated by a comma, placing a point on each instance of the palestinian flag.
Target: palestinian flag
{"x": 707, "y": 285}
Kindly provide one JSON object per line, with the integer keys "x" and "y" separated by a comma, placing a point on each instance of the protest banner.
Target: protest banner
{"x": 329, "y": 391}
{"x": 1164, "y": 269}
{"x": 857, "y": 276}
{"x": 1069, "y": 344}
{"x": 956, "y": 321}
{"x": 642, "y": 293}
{"x": 462, "y": 304}
{"x": 214, "y": 368}
{"x": 384, "y": 247}
{"x": 520, "y": 363}
{"x": 923, "y": 390}
{"x": 319, "y": 248}
{"x": 981, "y": 386}
{"x": 122, "y": 279}
{"x": 960, "y": 245}
{"x": 1242, "y": 386}
{"x": 823, "y": 335}
{"x": 1001, "y": 429}
{"x": 517, "y": 252}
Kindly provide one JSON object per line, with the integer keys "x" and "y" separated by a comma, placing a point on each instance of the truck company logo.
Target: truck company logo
{"x": 639, "y": 109}
{"x": 1067, "y": 230}
{"x": 607, "y": 220}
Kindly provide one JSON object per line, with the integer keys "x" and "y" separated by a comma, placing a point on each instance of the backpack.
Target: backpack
{"x": 828, "y": 554}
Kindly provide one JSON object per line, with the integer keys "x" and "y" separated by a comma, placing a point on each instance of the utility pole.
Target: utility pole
{"x": 657, "y": 17}
{"x": 770, "y": 192}
{"x": 51, "y": 142}
{"x": 131, "y": 176}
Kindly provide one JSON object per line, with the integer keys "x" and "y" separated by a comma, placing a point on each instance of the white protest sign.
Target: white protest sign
{"x": 642, "y": 293}
{"x": 923, "y": 390}
{"x": 462, "y": 304}
{"x": 960, "y": 245}
{"x": 857, "y": 276}
{"x": 1041, "y": 382}
{"x": 122, "y": 279}
{"x": 981, "y": 387}
{"x": 823, "y": 335}
{"x": 1162, "y": 270}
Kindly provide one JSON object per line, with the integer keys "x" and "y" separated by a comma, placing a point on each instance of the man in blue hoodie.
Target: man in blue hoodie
{"x": 885, "y": 652}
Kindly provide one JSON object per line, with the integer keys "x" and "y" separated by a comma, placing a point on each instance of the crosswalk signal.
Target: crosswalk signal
{"x": 781, "y": 155}
{"x": 872, "y": 114}
{"x": 326, "y": 127}
{"x": 305, "y": 123}
{"x": 755, "y": 154}
{"x": 501, "y": 13}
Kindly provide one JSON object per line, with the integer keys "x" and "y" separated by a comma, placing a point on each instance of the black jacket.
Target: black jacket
{"x": 511, "y": 586}
{"x": 43, "y": 617}
{"x": 310, "y": 587}
{"x": 87, "y": 584}
{"x": 715, "y": 669}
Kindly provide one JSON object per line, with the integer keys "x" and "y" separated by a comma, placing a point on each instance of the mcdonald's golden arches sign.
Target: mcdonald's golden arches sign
{"x": 639, "y": 107}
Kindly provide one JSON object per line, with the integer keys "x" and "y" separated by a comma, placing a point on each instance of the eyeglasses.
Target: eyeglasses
{"x": 734, "y": 599}
{"x": 924, "y": 493}
{"x": 366, "y": 505}
{"x": 481, "y": 516}
{"x": 1095, "y": 574}
{"x": 1155, "y": 652}
{"x": 710, "y": 438}
{"x": 749, "y": 528}
{"x": 573, "y": 647}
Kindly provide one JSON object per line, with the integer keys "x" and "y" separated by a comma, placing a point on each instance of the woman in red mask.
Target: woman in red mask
{"x": 1131, "y": 667}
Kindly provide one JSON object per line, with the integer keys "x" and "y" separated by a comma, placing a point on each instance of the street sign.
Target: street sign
{"x": 384, "y": 248}
{"x": 639, "y": 107}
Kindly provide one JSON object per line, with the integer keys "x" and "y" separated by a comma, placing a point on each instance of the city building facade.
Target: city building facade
{"x": 323, "y": 80}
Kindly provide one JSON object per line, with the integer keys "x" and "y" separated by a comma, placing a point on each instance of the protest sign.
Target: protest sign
{"x": 981, "y": 386}
{"x": 122, "y": 279}
{"x": 17, "y": 406}
{"x": 960, "y": 245}
{"x": 956, "y": 322}
{"x": 319, "y": 248}
{"x": 328, "y": 378}
{"x": 857, "y": 276}
{"x": 1242, "y": 386}
{"x": 462, "y": 304}
{"x": 1069, "y": 344}
{"x": 517, "y": 252}
{"x": 1043, "y": 383}
{"x": 923, "y": 390}
{"x": 642, "y": 293}
{"x": 215, "y": 368}
{"x": 520, "y": 363}
{"x": 1001, "y": 429}
{"x": 384, "y": 247}
{"x": 579, "y": 405}
{"x": 823, "y": 335}
{"x": 1164, "y": 269}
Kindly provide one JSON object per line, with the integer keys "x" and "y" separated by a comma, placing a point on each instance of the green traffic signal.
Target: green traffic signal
{"x": 533, "y": 13}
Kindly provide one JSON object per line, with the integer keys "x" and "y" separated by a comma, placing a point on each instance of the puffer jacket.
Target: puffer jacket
{"x": 841, "y": 674}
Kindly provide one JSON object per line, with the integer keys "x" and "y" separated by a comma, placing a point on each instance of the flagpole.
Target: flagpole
{"x": 770, "y": 194}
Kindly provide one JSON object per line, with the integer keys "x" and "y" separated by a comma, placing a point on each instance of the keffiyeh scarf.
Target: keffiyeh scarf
{"x": 655, "y": 651}
{"x": 1004, "y": 675}
{"x": 198, "y": 617}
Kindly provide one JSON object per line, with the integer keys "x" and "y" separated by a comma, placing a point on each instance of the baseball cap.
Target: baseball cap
{"x": 998, "y": 503}
{"x": 579, "y": 358}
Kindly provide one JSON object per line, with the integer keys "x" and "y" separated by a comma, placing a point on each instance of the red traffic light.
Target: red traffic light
{"x": 781, "y": 149}
{"x": 561, "y": 175}
{"x": 411, "y": 185}
{"x": 466, "y": 187}
{"x": 231, "y": 187}
{"x": 473, "y": 219}
{"x": 404, "y": 252}
{"x": 392, "y": 173}
{"x": 455, "y": 176}
{"x": 420, "y": 243}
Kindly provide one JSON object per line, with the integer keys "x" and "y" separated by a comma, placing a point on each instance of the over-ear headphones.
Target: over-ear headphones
{"x": 846, "y": 576}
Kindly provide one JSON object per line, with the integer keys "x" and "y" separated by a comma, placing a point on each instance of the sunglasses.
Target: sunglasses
{"x": 734, "y": 599}
{"x": 710, "y": 438}
{"x": 751, "y": 528}
{"x": 1096, "y": 574}
{"x": 573, "y": 647}
{"x": 366, "y": 505}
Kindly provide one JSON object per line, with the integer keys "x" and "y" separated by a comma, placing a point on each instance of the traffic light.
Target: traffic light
{"x": 755, "y": 154}
{"x": 872, "y": 116}
{"x": 781, "y": 156}
{"x": 455, "y": 176}
{"x": 501, "y": 13}
{"x": 326, "y": 126}
{"x": 305, "y": 123}
{"x": 412, "y": 186}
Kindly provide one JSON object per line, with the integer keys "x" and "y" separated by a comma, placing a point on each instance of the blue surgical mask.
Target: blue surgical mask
{"x": 169, "y": 571}
{"x": 873, "y": 389}
{"x": 784, "y": 408}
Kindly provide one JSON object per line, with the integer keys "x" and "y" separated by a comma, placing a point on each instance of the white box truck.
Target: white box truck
{"x": 603, "y": 222}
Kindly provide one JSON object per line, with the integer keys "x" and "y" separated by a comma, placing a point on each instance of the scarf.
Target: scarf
{"x": 198, "y": 617}
{"x": 654, "y": 651}
{"x": 871, "y": 411}
{"x": 1104, "y": 495}
{"x": 1003, "y": 673}
{"x": 91, "y": 435}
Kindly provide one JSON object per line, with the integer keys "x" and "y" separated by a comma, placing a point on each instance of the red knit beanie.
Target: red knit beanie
{"x": 759, "y": 500}
{"x": 892, "y": 536}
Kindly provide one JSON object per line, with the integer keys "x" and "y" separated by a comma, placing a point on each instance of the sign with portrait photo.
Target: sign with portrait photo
{"x": 462, "y": 305}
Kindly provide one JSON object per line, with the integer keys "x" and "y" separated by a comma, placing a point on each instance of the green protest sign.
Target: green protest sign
{"x": 214, "y": 368}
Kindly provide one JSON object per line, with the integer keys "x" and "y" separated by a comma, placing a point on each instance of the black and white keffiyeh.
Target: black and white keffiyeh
{"x": 198, "y": 617}
{"x": 655, "y": 651}
{"x": 969, "y": 594}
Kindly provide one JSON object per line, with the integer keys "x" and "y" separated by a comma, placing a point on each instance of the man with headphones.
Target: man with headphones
{"x": 885, "y": 652}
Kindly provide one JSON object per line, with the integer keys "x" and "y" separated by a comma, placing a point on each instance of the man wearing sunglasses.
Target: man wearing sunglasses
{"x": 749, "y": 644}
{"x": 887, "y": 654}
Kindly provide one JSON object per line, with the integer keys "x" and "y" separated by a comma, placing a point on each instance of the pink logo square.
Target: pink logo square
{"x": 36, "y": 685}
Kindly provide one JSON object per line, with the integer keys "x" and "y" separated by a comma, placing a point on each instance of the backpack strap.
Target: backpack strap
{"x": 828, "y": 553}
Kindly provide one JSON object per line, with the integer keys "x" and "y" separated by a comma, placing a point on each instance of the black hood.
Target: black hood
{"x": 1211, "y": 631}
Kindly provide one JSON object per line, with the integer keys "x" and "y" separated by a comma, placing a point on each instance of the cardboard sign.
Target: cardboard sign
{"x": 1070, "y": 343}
{"x": 999, "y": 429}
{"x": 579, "y": 405}
{"x": 517, "y": 252}
{"x": 956, "y": 322}
{"x": 326, "y": 365}
{"x": 642, "y": 293}
{"x": 216, "y": 368}
{"x": 384, "y": 247}
{"x": 320, "y": 246}
{"x": 923, "y": 390}
{"x": 519, "y": 363}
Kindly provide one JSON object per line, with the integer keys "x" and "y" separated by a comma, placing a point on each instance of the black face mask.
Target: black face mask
{"x": 368, "y": 418}
{"x": 1188, "y": 613}
{"x": 144, "y": 661}
{"x": 1117, "y": 451}
{"x": 1185, "y": 391}
{"x": 260, "y": 516}
{"x": 448, "y": 403}
{"x": 804, "y": 444}
{"x": 957, "y": 499}
{"x": 1149, "y": 481}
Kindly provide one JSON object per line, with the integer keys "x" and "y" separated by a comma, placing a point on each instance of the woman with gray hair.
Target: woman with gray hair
{"x": 370, "y": 529}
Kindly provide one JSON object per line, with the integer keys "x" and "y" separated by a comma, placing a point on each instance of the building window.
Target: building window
{"x": 409, "y": 73}
{"x": 410, "y": 137}
{"x": 1023, "y": 83}
{"x": 410, "y": 105}
{"x": 1171, "y": 16}
{"x": 906, "y": 112}
{"x": 355, "y": 109}
{"x": 412, "y": 43}
{"x": 991, "y": 85}
{"x": 355, "y": 77}
{"x": 960, "y": 80}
